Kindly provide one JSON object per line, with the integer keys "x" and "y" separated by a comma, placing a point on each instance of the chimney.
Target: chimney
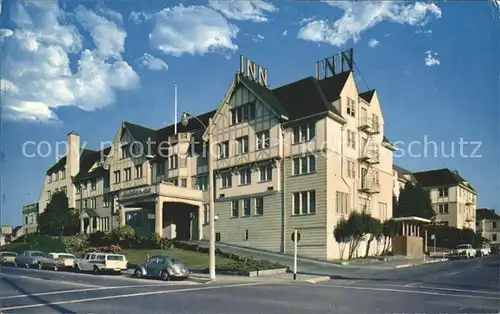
{"x": 72, "y": 154}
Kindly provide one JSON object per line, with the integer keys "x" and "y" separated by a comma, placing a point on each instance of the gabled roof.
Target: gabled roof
{"x": 88, "y": 160}
{"x": 367, "y": 96}
{"x": 402, "y": 173}
{"x": 486, "y": 214}
{"x": 440, "y": 177}
{"x": 264, "y": 93}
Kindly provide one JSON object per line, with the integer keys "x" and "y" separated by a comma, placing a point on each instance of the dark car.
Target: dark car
{"x": 163, "y": 267}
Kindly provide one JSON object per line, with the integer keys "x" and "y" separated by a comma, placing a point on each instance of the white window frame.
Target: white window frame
{"x": 298, "y": 163}
{"x": 173, "y": 162}
{"x": 443, "y": 209}
{"x": 246, "y": 209}
{"x": 351, "y": 139}
{"x": 117, "y": 176}
{"x": 138, "y": 172}
{"x": 303, "y": 133}
{"x": 342, "y": 202}
{"x": 242, "y": 145}
{"x": 262, "y": 140}
{"x": 443, "y": 192}
{"x": 351, "y": 107}
{"x": 202, "y": 181}
{"x": 226, "y": 180}
{"x": 223, "y": 150}
{"x": 235, "y": 205}
{"x": 245, "y": 176}
{"x": 351, "y": 169}
{"x": 257, "y": 206}
{"x": 266, "y": 173}
{"x": 128, "y": 174}
{"x": 307, "y": 198}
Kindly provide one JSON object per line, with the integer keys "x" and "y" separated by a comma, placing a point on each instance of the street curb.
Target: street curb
{"x": 318, "y": 279}
{"x": 417, "y": 264}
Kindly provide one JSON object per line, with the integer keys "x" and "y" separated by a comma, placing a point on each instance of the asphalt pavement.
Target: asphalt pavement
{"x": 469, "y": 286}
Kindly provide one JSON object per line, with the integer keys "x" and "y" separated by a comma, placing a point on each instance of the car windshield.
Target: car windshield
{"x": 8, "y": 254}
{"x": 66, "y": 256}
{"x": 37, "y": 254}
{"x": 462, "y": 246}
{"x": 177, "y": 262}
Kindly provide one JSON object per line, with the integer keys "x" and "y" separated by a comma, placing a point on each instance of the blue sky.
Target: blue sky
{"x": 87, "y": 66}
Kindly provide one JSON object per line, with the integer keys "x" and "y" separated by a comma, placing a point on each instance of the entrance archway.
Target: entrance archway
{"x": 185, "y": 218}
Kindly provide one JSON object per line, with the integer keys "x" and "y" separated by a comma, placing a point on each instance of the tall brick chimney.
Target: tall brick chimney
{"x": 73, "y": 154}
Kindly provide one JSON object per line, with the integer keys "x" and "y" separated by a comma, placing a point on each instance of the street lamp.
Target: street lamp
{"x": 211, "y": 208}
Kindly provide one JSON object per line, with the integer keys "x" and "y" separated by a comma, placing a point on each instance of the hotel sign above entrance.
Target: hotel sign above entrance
{"x": 137, "y": 192}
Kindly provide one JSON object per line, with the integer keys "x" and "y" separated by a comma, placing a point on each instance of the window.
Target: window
{"x": 173, "y": 162}
{"x": 206, "y": 214}
{"x": 262, "y": 140}
{"x": 49, "y": 194}
{"x": 202, "y": 182}
{"x": 63, "y": 174}
{"x": 304, "y": 164}
{"x": 78, "y": 188}
{"x": 351, "y": 172}
{"x": 304, "y": 133}
{"x": 375, "y": 123}
{"x": 138, "y": 172}
{"x": 105, "y": 223}
{"x": 105, "y": 201}
{"x": 247, "y": 207}
{"x": 49, "y": 178}
{"x": 351, "y": 107}
{"x": 226, "y": 180}
{"x": 242, "y": 145}
{"x": 259, "y": 206}
{"x": 266, "y": 173}
{"x": 128, "y": 174}
{"x": 125, "y": 151}
{"x": 160, "y": 167}
{"x": 57, "y": 176}
{"x": 117, "y": 176}
{"x": 174, "y": 181}
{"x": 246, "y": 234}
{"x": 494, "y": 237}
{"x": 245, "y": 176}
{"x": 85, "y": 204}
{"x": 223, "y": 149}
{"x": 494, "y": 225}
{"x": 235, "y": 209}
{"x": 93, "y": 202}
{"x": 243, "y": 113}
{"x": 184, "y": 183}
{"x": 383, "y": 211}
{"x": 364, "y": 116}
{"x": 443, "y": 192}
{"x": 443, "y": 208}
{"x": 93, "y": 184}
{"x": 183, "y": 161}
{"x": 342, "y": 198}
{"x": 304, "y": 203}
{"x": 351, "y": 139}
{"x": 64, "y": 190}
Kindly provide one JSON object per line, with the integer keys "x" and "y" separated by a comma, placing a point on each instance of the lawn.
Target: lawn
{"x": 192, "y": 260}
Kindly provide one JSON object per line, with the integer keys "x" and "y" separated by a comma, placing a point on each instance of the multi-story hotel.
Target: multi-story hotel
{"x": 452, "y": 197}
{"x": 488, "y": 225}
{"x": 401, "y": 177}
{"x": 299, "y": 156}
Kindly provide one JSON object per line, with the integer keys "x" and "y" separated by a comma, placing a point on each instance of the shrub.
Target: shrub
{"x": 99, "y": 238}
{"x": 75, "y": 243}
{"x": 104, "y": 249}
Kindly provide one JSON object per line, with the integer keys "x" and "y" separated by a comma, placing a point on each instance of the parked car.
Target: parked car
{"x": 8, "y": 258}
{"x": 464, "y": 251}
{"x": 163, "y": 267}
{"x": 28, "y": 259}
{"x": 485, "y": 250}
{"x": 56, "y": 261}
{"x": 99, "y": 263}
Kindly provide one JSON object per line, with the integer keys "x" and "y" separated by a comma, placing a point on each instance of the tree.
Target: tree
{"x": 342, "y": 236}
{"x": 356, "y": 229}
{"x": 389, "y": 230}
{"x": 122, "y": 233}
{"x": 58, "y": 219}
{"x": 373, "y": 227}
{"x": 414, "y": 201}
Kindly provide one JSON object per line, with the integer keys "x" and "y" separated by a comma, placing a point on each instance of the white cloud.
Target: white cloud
{"x": 244, "y": 10}
{"x": 5, "y": 33}
{"x": 373, "y": 42}
{"x": 306, "y": 20}
{"x": 431, "y": 59}
{"x": 258, "y": 38}
{"x": 360, "y": 16}
{"x": 152, "y": 63}
{"x": 139, "y": 17}
{"x": 192, "y": 30}
{"x": 425, "y": 32}
{"x": 37, "y": 64}
{"x": 285, "y": 32}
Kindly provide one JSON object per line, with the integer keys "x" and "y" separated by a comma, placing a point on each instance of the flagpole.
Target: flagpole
{"x": 175, "y": 109}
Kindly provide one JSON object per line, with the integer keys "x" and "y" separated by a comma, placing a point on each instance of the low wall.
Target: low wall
{"x": 409, "y": 246}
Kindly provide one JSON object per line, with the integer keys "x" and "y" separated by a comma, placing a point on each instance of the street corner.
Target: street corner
{"x": 318, "y": 279}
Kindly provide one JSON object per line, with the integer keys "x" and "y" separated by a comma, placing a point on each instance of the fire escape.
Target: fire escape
{"x": 369, "y": 158}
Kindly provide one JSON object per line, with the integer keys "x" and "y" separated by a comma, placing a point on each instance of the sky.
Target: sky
{"x": 89, "y": 65}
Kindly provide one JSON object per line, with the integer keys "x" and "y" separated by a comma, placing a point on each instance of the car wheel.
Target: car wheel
{"x": 164, "y": 276}
{"x": 39, "y": 266}
{"x": 76, "y": 268}
{"x": 55, "y": 268}
{"x": 96, "y": 270}
{"x": 15, "y": 265}
{"x": 26, "y": 265}
{"x": 137, "y": 273}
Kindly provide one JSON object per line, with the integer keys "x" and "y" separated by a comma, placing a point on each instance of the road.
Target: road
{"x": 469, "y": 286}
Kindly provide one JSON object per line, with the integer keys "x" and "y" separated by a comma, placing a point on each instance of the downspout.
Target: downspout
{"x": 342, "y": 158}
{"x": 283, "y": 190}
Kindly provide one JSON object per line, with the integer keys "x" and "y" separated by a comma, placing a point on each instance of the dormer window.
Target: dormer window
{"x": 125, "y": 151}
{"x": 63, "y": 174}
{"x": 304, "y": 133}
{"x": 351, "y": 107}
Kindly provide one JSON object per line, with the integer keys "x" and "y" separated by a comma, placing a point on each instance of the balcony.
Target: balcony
{"x": 180, "y": 137}
{"x": 369, "y": 188}
{"x": 369, "y": 126}
{"x": 370, "y": 155}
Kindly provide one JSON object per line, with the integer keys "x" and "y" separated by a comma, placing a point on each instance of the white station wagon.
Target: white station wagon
{"x": 99, "y": 263}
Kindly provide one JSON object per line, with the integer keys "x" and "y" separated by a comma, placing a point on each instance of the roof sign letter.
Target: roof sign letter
{"x": 253, "y": 71}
